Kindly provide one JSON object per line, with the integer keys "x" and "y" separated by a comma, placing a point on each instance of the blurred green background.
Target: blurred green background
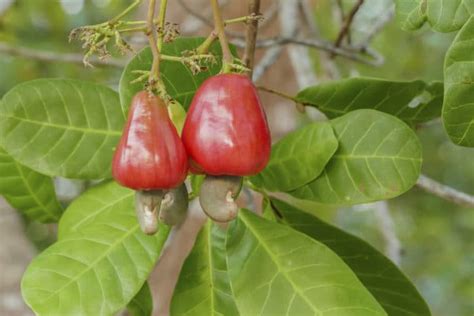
{"x": 437, "y": 237}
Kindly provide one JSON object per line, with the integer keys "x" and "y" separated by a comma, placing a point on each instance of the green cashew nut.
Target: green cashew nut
{"x": 147, "y": 208}
{"x": 217, "y": 197}
{"x": 174, "y": 206}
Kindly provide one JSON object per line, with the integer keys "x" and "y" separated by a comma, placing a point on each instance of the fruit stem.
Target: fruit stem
{"x": 161, "y": 23}
{"x": 124, "y": 12}
{"x": 278, "y": 93}
{"x": 204, "y": 47}
{"x": 251, "y": 36}
{"x": 151, "y": 34}
{"x": 227, "y": 58}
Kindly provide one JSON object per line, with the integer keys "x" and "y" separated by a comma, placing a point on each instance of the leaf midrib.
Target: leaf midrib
{"x": 32, "y": 193}
{"x": 65, "y": 127}
{"x": 349, "y": 157}
{"x": 265, "y": 247}
{"x": 106, "y": 206}
{"x": 210, "y": 267}
{"x": 90, "y": 267}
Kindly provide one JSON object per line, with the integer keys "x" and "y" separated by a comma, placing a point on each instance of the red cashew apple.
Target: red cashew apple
{"x": 150, "y": 154}
{"x": 226, "y": 131}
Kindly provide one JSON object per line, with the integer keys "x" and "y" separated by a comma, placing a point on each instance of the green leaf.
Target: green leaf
{"x": 298, "y": 158}
{"x": 379, "y": 157}
{"x": 449, "y": 15}
{"x": 412, "y": 101}
{"x": 28, "y": 191}
{"x": 458, "y": 108}
{"x": 391, "y": 288}
{"x": 203, "y": 287}
{"x": 442, "y": 15}
{"x": 411, "y": 14}
{"x": 62, "y": 127}
{"x": 96, "y": 204}
{"x": 97, "y": 269}
{"x": 196, "y": 181}
{"x": 275, "y": 270}
{"x": 142, "y": 303}
{"x": 179, "y": 81}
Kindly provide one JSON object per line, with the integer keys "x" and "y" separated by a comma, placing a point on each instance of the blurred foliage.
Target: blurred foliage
{"x": 437, "y": 236}
{"x": 45, "y": 25}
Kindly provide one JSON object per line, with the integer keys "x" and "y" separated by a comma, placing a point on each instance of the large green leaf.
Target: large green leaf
{"x": 179, "y": 81}
{"x": 97, "y": 269}
{"x": 458, "y": 108}
{"x": 275, "y": 270}
{"x": 379, "y": 157}
{"x": 298, "y": 158}
{"x": 62, "y": 127}
{"x": 412, "y": 101}
{"x": 442, "y": 15}
{"x": 28, "y": 191}
{"x": 142, "y": 303}
{"x": 411, "y": 14}
{"x": 391, "y": 288}
{"x": 203, "y": 287}
{"x": 99, "y": 203}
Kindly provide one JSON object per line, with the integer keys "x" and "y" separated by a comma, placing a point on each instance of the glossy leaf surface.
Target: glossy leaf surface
{"x": 391, "y": 288}
{"x": 458, "y": 108}
{"x": 98, "y": 268}
{"x": 28, "y": 191}
{"x": 412, "y": 101}
{"x": 379, "y": 157}
{"x": 275, "y": 270}
{"x": 442, "y": 15}
{"x": 203, "y": 287}
{"x": 298, "y": 158}
{"x": 142, "y": 303}
{"x": 50, "y": 125}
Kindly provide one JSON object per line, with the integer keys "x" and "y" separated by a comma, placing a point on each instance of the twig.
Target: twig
{"x": 378, "y": 26}
{"x": 328, "y": 65}
{"x": 445, "y": 192}
{"x": 196, "y": 14}
{"x": 347, "y": 24}
{"x": 202, "y": 18}
{"x": 251, "y": 36}
{"x": 318, "y": 44}
{"x": 161, "y": 23}
{"x": 267, "y": 16}
{"x": 270, "y": 57}
{"x": 393, "y": 247}
{"x": 219, "y": 27}
{"x": 290, "y": 21}
{"x": 151, "y": 34}
{"x": 47, "y": 56}
{"x": 125, "y": 12}
{"x": 278, "y": 93}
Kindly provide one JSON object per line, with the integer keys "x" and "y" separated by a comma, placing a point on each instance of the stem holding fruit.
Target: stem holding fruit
{"x": 161, "y": 23}
{"x": 251, "y": 36}
{"x": 227, "y": 58}
{"x": 151, "y": 34}
{"x": 127, "y": 10}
